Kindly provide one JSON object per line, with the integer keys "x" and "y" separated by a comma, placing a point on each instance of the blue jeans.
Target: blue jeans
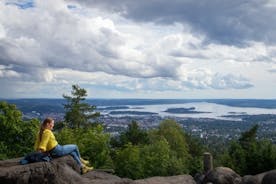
{"x": 69, "y": 149}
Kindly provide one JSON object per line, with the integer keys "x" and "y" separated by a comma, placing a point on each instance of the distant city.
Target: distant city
{"x": 210, "y": 120}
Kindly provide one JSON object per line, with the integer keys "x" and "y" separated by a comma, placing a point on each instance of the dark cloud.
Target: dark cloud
{"x": 223, "y": 21}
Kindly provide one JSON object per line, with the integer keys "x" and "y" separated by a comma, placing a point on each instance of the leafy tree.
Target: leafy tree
{"x": 128, "y": 163}
{"x": 175, "y": 136}
{"x": 67, "y": 136}
{"x": 156, "y": 158}
{"x": 179, "y": 149}
{"x": 93, "y": 144}
{"x": 16, "y": 136}
{"x": 176, "y": 165}
{"x": 134, "y": 135}
{"x": 77, "y": 112}
{"x": 196, "y": 150}
{"x": 4, "y": 151}
{"x": 163, "y": 151}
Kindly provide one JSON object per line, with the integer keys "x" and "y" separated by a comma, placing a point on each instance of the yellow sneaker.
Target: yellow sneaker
{"x": 86, "y": 169}
{"x": 85, "y": 162}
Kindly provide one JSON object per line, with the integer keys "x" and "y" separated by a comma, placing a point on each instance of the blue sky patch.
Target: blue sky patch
{"x": 70, "y": 6}
{"x": 22, "y": 4}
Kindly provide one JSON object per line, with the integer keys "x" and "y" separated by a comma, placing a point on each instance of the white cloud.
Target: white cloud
{"x": 271, "y": 3}
{"x": 2, "y": 32}
{"x": 7, "y": 72}
{"x": 205, "y": 79}
{"x": 53, "y": 44}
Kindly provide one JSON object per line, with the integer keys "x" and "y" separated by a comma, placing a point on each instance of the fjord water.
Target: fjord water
{"x": 201, "y": 109}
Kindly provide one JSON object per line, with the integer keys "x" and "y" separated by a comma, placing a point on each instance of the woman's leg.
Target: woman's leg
{"x": 69, "y": 149}
{"x": 73, "y": 150}
{"x": 76, "y": 157}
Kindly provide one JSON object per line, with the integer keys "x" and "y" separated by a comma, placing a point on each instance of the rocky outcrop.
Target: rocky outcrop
{"x": 248, "y": 179}
{"x": 222, "y": 175}
{"x": 65, "y": 170}
{"x": 268, "y": 177}
{"x": 60, "y": 170}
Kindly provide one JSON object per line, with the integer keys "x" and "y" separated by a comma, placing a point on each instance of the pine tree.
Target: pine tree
{"x": 77, "y": 112}
{"x": 248, "y": 155}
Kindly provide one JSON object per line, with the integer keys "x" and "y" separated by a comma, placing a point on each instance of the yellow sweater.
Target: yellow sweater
{"x": 48, "y": 141}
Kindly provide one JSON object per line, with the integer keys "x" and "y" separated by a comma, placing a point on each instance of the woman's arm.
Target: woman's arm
{"x": 44, "y": 141}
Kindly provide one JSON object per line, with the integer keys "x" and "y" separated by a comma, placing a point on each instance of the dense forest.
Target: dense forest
{"x": 134, "y": 153}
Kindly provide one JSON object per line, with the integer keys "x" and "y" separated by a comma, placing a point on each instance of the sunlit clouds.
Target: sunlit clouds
{"x": 137, "y": 50}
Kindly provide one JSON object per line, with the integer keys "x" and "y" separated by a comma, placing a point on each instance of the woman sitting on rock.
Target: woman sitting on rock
{"x": 46, "y": 142}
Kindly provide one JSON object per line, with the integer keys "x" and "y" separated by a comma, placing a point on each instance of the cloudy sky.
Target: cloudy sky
{"x": 138, "y": 49}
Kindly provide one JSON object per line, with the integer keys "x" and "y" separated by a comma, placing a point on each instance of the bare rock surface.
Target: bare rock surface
{"x": 268, "y": 177}
{"x": 249, "y": 179}
{"x": 105, "y": 178}
{"x": 65, "y": 170}
{"x": 180, "y": 179}
{"x": 222, "y": 175}
{"x": 59, "y": 171}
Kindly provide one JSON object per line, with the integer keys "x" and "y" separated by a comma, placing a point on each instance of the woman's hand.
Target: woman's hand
{"x": 40, "y": 150}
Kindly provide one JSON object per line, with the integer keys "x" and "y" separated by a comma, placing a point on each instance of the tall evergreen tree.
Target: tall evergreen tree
{"x": 249, "y": 137}
{"x": 77, "y": 112}
{"x": 248, "y": 155}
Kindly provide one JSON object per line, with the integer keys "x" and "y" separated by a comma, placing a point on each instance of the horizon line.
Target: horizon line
{"x": 143, "y": 98}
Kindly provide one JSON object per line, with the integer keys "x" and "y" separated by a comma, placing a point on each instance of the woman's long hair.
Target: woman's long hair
{"x": 43, "y": 126}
